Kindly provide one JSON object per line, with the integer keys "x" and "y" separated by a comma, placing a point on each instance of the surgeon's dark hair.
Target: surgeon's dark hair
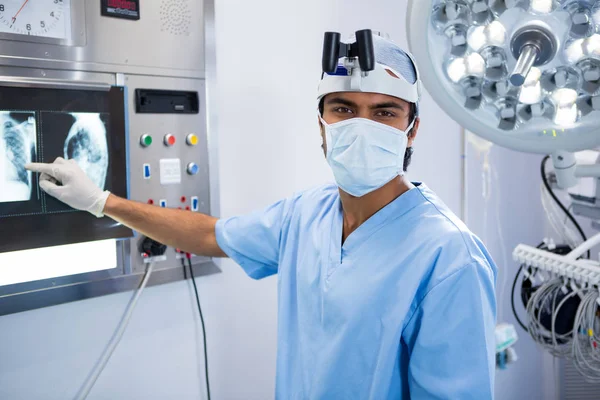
{"x": 412, "y": 113}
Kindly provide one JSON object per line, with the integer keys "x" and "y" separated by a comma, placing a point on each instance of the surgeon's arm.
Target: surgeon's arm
{"x": 451, "y": 338}
{"x": 253, "y": 241}
{"x": 190, "y": 232}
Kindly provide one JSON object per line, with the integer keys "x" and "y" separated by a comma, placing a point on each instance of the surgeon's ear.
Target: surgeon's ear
{"x": 323, "y": 141}
{"x": 321, "y": 127}
{"x": 413, "y": 132}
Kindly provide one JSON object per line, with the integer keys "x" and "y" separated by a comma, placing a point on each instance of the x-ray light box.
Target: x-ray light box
{"x": 72, "y": 87}
{"x": 57, "y": 261}
{"x": 39, "y": 125}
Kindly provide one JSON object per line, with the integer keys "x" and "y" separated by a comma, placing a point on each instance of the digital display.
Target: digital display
{"x": 127, "y": 9}
{"x": 39, "y": 125}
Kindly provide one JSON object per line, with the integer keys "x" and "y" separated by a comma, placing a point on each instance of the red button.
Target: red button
{"x": 183, "y": 199}
{"x": 150, "y": 201}
{"x": 188, "y": 208}
{"x": 169, "y": 139}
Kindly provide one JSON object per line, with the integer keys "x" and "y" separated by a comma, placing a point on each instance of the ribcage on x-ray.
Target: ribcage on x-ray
{"x": 19, "y": 149}
{"x": 87, "y": 145}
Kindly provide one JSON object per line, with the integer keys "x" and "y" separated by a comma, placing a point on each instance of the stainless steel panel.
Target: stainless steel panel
{"x": 159, "y": 125}
{"x": 52, "y": 83}
{"x": 44, "y": 77}
{"x": 78, "y": 33}
{"x": 167, "y": 40}
{"x": 165, "y": 49}
{"x": 210, "y": 65}
{"x": 48, "y": 295}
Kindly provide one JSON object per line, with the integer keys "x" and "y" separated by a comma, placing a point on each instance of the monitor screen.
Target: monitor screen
{"x": 39, "y": 125}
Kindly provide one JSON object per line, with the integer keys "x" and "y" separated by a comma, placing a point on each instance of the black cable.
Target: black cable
{"x": 560, "y": 204}
{"x": 512, "y": 293}
{"x": 512, "y": 300}
{"x": 203, "y": 327}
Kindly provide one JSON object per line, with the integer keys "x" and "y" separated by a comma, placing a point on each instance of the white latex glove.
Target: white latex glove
{"x": 75, "y": 189}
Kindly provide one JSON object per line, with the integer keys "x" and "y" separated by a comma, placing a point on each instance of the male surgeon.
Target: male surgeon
{"x": 383, "y": 292}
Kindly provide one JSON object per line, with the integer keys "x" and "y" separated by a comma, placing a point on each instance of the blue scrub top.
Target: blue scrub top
{"x": 404, "y": 309}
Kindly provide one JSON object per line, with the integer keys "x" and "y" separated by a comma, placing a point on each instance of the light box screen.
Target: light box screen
{"x": 57, "y": 261}
{"x": 39, "y": 125}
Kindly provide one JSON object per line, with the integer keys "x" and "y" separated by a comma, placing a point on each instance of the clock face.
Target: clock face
{"x": 44, "y": 18}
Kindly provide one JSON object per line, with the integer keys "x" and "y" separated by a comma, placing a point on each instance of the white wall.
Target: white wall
{"x": 268, "y": 68}
{"x": 269, "y": 64}
{"x": 505, "y": 214}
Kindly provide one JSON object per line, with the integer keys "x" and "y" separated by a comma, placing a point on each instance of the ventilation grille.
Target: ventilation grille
{"x": 575, "y": 387}
{"x": 175, "y": 17}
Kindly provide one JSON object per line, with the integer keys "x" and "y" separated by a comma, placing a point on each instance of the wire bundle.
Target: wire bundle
{"x": 563, "y": 315}
{"x": 542, "y": 304}
{"x": 564, "y": 319}
{"x": 586, "y": 351}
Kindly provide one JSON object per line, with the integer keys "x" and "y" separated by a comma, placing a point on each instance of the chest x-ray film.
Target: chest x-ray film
{"x": 39, "y": 125}
{"x": 18, "y": 146}
{"x": 82, "y": 137}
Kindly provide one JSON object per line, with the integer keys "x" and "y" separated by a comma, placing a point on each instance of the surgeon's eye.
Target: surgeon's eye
{"x": 386, "y": 114}
{"x": 342, "y": 110}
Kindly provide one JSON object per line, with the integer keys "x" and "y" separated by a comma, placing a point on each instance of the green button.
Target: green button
{"x": 146, "y": 140}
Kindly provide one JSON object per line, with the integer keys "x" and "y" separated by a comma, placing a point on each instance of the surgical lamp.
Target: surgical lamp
{"x": 524, "y": 74}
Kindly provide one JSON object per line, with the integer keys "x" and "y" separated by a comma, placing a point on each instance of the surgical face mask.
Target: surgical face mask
{"x": 364, "y": 155}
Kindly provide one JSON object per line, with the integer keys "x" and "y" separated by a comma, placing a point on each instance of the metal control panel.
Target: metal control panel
{"x": 159, "y": 52}
{"x": 168, "y": 151}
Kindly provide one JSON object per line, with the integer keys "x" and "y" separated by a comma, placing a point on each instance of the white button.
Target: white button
{"x": 170, "y": 171}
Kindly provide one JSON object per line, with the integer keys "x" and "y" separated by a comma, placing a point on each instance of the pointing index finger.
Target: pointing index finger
{"x": 43, "y": 168}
